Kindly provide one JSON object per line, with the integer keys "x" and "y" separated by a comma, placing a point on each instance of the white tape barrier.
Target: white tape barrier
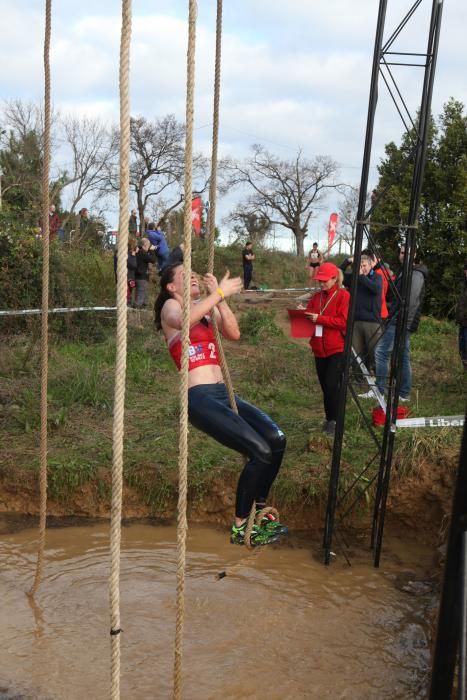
{"x": 435, "y": 422}
{"x": 32, "y": 312}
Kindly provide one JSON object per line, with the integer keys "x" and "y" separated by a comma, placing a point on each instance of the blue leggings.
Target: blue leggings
{"x": 250, "y": 432}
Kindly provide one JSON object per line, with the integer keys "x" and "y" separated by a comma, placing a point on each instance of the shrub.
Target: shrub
{"x": 257, "y": 325}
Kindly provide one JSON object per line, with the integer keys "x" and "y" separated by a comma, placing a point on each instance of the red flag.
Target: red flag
{"x": 333, "y": 220}
{"x": 196, "y": 207}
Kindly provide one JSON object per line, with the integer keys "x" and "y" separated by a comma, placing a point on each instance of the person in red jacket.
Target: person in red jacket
{"x": 328, "y": 310}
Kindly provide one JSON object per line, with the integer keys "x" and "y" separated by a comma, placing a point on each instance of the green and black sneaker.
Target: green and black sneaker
{"x": 259, "y": 536}
{"x": 270, "y": 523}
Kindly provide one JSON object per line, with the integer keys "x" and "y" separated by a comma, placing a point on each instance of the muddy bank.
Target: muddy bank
{"x": 419, "y": 505}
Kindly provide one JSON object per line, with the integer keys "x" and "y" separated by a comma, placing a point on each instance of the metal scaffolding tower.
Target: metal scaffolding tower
{"x": 383, "y": 59}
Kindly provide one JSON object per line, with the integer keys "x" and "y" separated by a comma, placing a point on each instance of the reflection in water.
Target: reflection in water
{"x": 286, "y": 627}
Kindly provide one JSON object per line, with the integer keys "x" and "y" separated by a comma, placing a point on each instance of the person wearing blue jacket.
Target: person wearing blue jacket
{"x": 367, "y": 325}
{"x": 158, "y": 240}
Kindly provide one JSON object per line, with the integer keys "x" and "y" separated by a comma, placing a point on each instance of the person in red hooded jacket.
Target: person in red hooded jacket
{"x": 328, "y": 310}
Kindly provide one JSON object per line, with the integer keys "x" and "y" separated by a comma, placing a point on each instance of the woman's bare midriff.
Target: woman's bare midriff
{"x": 208, "y": 374}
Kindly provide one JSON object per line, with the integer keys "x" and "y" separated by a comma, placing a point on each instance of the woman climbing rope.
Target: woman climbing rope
{"x": 250, "y": 431}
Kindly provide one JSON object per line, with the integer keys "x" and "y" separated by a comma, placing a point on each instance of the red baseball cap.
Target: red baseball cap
{"x": 326, "y": 271}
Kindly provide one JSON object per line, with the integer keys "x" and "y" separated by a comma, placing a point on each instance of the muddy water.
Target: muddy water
{"x": 285, "y": 627}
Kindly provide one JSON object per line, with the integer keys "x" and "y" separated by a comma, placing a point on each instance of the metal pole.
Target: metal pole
{"x": 337, "y": 448}
{"x": 449, "y": 630}
{"x": 410, "y": 249}
{"x": 463, "y": 627}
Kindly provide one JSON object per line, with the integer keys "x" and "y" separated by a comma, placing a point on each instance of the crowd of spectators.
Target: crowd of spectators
{"x": 145, "y": 251}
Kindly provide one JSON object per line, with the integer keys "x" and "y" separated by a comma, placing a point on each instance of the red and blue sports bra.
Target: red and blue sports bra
{"x": 202, "y": 350}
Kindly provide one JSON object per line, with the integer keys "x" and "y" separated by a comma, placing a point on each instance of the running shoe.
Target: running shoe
{"x": 259, "y": 536}
{"x": 367, "y": 395}
{"x": 270, "y": 523}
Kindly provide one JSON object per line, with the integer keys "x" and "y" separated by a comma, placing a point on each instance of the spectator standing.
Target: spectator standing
{"x": 315, "y": 258}
{"x": 385, "y": 345}
{"x": 247, "y": 258}
{"x": 461, "y": 319}
{"x": 54, "y": 222}
{"x": 133, "y": 223}
{"x": 367, "y": 324}
{"x": 328, "y": 310}
{"x": 131, "y": 269}
{"x": 83, "y": 219}
{"x": 159, "y": 242}
{"x": 144, "y": 257}
{"x": 380, "y": 268}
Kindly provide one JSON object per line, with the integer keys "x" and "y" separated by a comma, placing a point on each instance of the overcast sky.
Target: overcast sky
{"x": 295, "y": 74}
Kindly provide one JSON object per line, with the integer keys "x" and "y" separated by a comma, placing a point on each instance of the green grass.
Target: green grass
{"x": 68, "y": 473}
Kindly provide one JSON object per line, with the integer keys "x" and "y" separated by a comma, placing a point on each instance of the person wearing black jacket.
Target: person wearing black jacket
{"x": 247, "y": 258}
{"x": 131, "y": 269}
{"x": 144, "y": 257}
{"x": 367, "y": 325}
{"x": 385, "y": 345}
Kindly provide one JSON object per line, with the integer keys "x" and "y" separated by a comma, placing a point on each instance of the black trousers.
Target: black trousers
{"x": 250, "y": 432}
{"x": 247, "y": 275}
{"x": 329, "y": 371}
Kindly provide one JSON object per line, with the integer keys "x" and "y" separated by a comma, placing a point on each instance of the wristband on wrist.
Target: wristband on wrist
{"x": 220, "y": 292}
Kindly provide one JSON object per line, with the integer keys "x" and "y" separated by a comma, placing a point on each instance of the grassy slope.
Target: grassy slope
{"x": 267, "y": 368}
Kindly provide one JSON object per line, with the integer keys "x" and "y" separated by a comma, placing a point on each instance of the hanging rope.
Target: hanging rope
{"x": 211, "y": 232}
{"x": 213, "y": 198}
{"x": 183, "y": 434}
{"x": 215, "y": 140}
{"x": 45, "y": 304}
{"x": 120, "y": 363}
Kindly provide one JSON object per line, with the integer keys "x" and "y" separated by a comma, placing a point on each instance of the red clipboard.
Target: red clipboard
{"x": 300, "y": 325}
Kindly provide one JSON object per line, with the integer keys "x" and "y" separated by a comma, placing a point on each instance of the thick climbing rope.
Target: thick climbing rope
{"x": 213, "y": 198}
{"x": 45, "y": 304}
{"x": 183, "y": 433}
{"x": 211, "y": 231}
{"x": 120, "y": 362}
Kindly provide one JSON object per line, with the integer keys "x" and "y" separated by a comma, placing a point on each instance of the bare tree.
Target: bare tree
{"x": 348, "y": 214}
{"x": 23, "y": 118}
{"x": 82, "y": 149}
{"x": 21, "y": 157}
{"x": 92, "y": 148}
{"x": 286, "y": 192}
{"x": 249, "y": 225}
{"x": 157, "y": 165}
